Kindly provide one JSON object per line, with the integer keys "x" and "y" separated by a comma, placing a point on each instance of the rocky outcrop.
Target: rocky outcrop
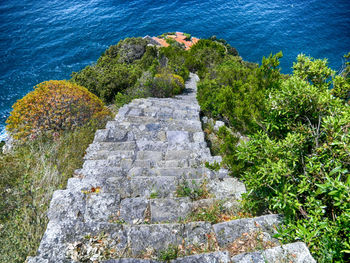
{"x": 143, "y": 193}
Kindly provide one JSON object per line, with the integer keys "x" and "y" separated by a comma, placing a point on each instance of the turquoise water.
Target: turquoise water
{"x": 42, "y": 40}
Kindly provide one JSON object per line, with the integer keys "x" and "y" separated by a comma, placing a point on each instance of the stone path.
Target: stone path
{"x": 143, "y": 187}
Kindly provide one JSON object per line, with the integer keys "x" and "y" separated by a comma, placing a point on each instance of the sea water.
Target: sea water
{"x": 42, "y": 40}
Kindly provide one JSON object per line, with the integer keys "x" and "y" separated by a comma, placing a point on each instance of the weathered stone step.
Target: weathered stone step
{"x": 293, "y": 252}
{"x": 228, "y": 232}
{"x": 140, "y": 240}
{"x": 160, "y": 187}
{"x": 165, "y": 124}
{"x": 107, "y": 154}
{"x": 147, "y": 145}
{"x": 166, "y": 102}
{"x": 112, "y": 146}
{"x": 163, "y": 113}
{"x": 170, "y": 158}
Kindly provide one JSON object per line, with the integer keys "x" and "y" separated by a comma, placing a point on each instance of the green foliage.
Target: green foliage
{"x": 117, "y": 69}
{"x": 316, "y": 71}
{"x": 296, "y": 161}
{"x": 204, "y": 55}
{"x": 230, "y": 50}
{"x": 107, "y": 80}
{"x": 188, "y": 36}
{"x": 300, "y": 167}
{"x": 166, "y": 85}
{"x": 29, "y": 176}
{"x": 235, "y": 92}
{"x": 192, "y": 190}
{"x": 171, "y": 253}
{"x": 173, "y": 59}
{"x": 126, "y": 51}
{"x": 341, "y": 88}
{"x": 54, "y": 106}
{"x": 214, "y": 166}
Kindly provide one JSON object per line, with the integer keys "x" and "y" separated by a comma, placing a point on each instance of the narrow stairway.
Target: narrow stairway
{"x": 144, "y": 195}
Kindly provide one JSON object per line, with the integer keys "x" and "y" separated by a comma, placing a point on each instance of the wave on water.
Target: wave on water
{"x": 42, "y": 40}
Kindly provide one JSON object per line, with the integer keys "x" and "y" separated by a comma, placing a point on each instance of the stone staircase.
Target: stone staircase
{"x": 144, "y": 194}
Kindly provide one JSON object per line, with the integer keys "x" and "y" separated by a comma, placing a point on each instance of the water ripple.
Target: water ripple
{"x": 42, "y": 40}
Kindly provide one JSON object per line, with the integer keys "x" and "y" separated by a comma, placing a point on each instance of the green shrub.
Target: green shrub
{"x": 236, "y": 93}
{"x": 166, "y": 85}
{"x": 204, "y": 55}
{"x": 117, "y": 69}
{"x": 107, "y": 81}
{"x": 300, "y": 167}
{"x": 172, "y": 59}
{"x": 188, "y": 36}
{"x": 54, "y": 106}
{"x": 296, "y": 160}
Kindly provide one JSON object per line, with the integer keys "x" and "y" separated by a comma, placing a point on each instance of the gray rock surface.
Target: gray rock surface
{"x": 291, "y": 253}
{"x": 128, "y": 191}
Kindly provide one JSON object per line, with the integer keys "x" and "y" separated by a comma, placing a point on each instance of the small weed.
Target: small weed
{"x": 214, "y": 166}
{"x": 169, "y": 254}
{"x": 154, "y": 195}
{"x": 193, "y": 190}
{"x": 215, "y": 213}
{"x": 115, "y": 219}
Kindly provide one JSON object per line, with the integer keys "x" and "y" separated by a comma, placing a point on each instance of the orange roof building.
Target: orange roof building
{"x": 180, "y": 38}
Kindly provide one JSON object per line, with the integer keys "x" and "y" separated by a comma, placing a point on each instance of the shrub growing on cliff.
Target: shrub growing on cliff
{"x": 54, "y": 106}
{"x": 166, "y": 85}
{"x": 296, "y": 161}
{"x": 117, "y": 69}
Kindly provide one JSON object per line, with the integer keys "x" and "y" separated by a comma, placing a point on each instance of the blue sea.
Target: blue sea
{"x": 42, "y": 40}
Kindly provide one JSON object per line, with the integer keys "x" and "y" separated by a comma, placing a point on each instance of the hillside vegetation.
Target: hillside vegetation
{"x": 294, "y": 156}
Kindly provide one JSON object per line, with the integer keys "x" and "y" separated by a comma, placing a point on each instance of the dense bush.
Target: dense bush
{"x": 296, "y": 161}
{"x": 166, "y": 85}
{"x": 117, "y": 69}
{"x": 300, "y": 167}
{"x": 204, "y": 55}
{"x": 54, "y": 106}
{"x": 236, "y": 92}
{"x": 173, "y": 60}
{"x": 107, "y": 81}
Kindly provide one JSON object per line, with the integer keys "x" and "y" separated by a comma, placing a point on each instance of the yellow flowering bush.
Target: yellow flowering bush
{"x": 167, "y": 85}
{"x": 52, "y": 107}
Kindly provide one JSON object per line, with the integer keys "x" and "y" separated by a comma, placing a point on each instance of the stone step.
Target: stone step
{"x": 214, "y": 257}
{"x": 170, "y": 158}
{"x": 145, "y": 239}
{"x": 293, "y": 252}
{"x": 112, "y": 146}
{"x": 158, "y": 187}
{"x": 164, "y": 124}
{"x": 228, "y": 232}
{"x": 163, "y": 113}
{"x": 108, "y": 154}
